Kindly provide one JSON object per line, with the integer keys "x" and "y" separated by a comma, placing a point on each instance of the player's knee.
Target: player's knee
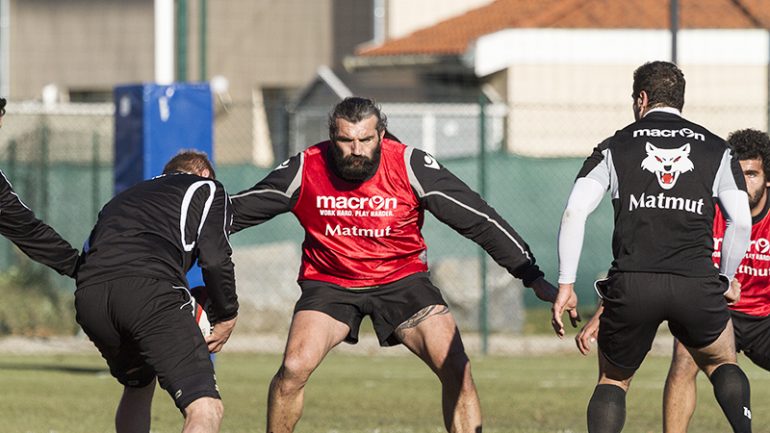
{"x": 296, "y": 370}
{"x": 456, "y": 368}
{"x": 140, "y": 393}
{"x": 205, "y": 409}
{"x": 713, "y": 361}
{"x": 682, "y": 370}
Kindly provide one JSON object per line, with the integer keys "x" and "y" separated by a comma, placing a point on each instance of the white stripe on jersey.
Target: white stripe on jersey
{"x": 488, "y": 218}
{"x": 259, "y": 191}
{"x": 12, "y": 191}
{"x": 186, "y": 205}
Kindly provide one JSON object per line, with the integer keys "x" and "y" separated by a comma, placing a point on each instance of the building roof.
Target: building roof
{"x": 393, "y": 85}
{"x": 453, "y": 36}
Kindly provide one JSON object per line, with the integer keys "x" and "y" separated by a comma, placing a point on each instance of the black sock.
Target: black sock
{"x": 607, "y": 409}
{"x": 731, "y": 388}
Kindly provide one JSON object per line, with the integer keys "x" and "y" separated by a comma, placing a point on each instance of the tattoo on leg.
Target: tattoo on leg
{"x": 420, "y": 316}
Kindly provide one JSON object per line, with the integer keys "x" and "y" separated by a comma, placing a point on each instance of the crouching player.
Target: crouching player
{"x": 132, "y": 297}
{"x": 751, "y": 313}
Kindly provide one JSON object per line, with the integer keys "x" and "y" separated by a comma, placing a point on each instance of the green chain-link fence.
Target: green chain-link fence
{"x": 60, "y": 163}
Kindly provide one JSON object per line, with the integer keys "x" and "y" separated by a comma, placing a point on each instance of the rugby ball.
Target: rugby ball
{"x": 199, "y": 304}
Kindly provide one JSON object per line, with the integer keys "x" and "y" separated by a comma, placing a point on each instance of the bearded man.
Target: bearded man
{"x": 361, "y": 198}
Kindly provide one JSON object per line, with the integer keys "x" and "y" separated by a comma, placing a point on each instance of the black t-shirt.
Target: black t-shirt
{"x": 158, "y": 229}
{"x": 664, "y": 174}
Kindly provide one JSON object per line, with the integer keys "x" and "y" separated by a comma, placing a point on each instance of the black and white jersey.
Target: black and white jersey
{"x": 33, "y": 237}
{"x": 158, "y": 229}
{"x": 664, "y": 175}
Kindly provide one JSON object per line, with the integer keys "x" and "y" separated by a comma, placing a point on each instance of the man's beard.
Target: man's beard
{"x": 355, "y": 168}
{"x": 755, "y": 198}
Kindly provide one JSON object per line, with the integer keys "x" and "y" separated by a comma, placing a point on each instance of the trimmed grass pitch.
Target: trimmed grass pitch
{"x": 353, "y": 393}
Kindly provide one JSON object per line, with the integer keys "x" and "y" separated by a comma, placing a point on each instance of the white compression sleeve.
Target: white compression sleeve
{"x": 586, "y": 195}
{"x": 735, "y": 207}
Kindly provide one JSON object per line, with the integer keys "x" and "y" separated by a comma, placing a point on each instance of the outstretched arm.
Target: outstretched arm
{"x": 455, "y": 204}
{"x": 277, "y": 193}
{"x": 35, "y": 238}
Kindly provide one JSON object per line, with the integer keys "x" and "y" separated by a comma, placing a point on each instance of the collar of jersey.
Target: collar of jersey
{"x": 670, "y": 110}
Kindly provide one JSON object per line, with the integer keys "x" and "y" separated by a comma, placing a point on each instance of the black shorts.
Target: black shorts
{"x": 144, "y": 328}
{"x": 752, "y": 337}
{"x": 389, "y": 305}
{"x": 636, "y": 303}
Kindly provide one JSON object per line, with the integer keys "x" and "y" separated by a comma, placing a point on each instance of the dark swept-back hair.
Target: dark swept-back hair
{"x": 751, "y": 144}
{"x": 189, "y": 161}
{"x": 355, "y": 109}
{"x": 663, "y": 82}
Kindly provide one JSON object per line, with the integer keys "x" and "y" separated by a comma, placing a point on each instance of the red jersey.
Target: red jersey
{"x": 754, "y": 271}
{"x": 359, "y": 234}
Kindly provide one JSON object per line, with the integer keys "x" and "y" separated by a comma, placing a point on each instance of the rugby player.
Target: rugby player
{"x": 361, "y": 198}
{"x": 751, "y": 313}
{"x": 133, "y": 300}
{"x": 664, "y": 175}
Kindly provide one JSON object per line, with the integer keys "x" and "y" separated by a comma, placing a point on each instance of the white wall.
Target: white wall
{"x": 566, "y": 110}
{"x": 569, "y": 89}
{"x": 406, "y": 16}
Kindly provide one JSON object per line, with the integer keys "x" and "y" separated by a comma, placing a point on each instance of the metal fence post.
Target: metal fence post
{"x": 44, "y": 175}
{"x": 181, "y": 40}
{"x": 12, "y": 161}
{"x": 484, "y": 302}
{"x": 95, "y": 184}
{"x": 45, "y": 179}
{"x": 12, "y": 145}
{"x": 202, "y": 35}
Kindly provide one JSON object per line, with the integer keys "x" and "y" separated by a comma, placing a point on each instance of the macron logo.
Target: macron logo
{"x": 355, "y": 203}
{"x": 431, "y": 162}
{"x": 759, "y": 245}
{"x": 670, "y": 133}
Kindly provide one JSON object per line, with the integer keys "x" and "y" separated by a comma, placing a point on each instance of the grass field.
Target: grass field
{"x": 353, "y": 393}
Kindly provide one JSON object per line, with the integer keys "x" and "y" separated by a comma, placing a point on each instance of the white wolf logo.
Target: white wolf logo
{"x": 667, "y": 164}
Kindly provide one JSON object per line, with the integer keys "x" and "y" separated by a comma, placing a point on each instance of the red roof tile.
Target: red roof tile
{"x": 452, "y": 37}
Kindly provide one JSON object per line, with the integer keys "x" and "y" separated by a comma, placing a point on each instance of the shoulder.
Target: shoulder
{"x": 622, "y": 135}
{"x": 316, "y": 149}
{"x": 390, "y": 145}
{"x": 185, "y": 181}
{"x": 605, "y": 144}
{"x": 700, "y": 133}
{"x": 418, "y": 159}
